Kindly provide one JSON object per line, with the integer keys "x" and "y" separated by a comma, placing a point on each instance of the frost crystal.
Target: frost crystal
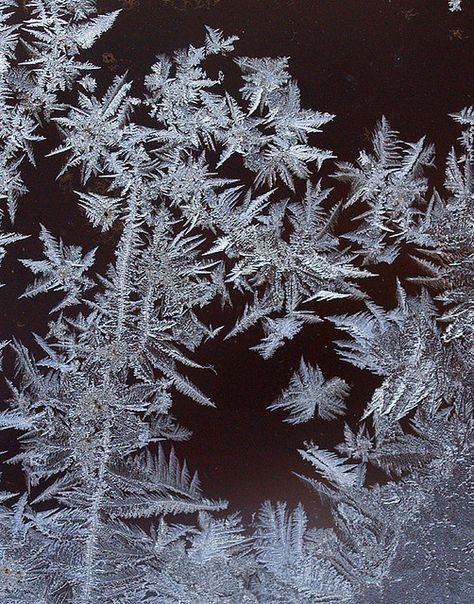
{"x": 91, "y": 402}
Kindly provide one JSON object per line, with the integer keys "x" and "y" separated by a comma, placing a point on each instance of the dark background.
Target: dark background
{"x": 411, "y": 61}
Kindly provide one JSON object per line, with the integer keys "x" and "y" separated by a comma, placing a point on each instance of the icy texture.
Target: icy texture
{"x": 94, "y": 413}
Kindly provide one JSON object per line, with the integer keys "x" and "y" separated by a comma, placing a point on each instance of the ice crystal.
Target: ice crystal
{"x": 92, "y": 401}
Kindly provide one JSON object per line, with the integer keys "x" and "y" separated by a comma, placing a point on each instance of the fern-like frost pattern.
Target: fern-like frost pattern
{"x": 91, "y": 403}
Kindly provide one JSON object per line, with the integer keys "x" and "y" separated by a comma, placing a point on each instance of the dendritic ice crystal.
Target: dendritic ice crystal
{"x": 455, "y": 5}
{"x": 89, "y": 419}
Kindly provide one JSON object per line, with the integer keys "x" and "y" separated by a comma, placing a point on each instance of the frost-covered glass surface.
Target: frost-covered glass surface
{"x": 210, "y": 213}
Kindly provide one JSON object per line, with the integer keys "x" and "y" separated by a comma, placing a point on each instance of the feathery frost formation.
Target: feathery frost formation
{"x": 91, "y": 405}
